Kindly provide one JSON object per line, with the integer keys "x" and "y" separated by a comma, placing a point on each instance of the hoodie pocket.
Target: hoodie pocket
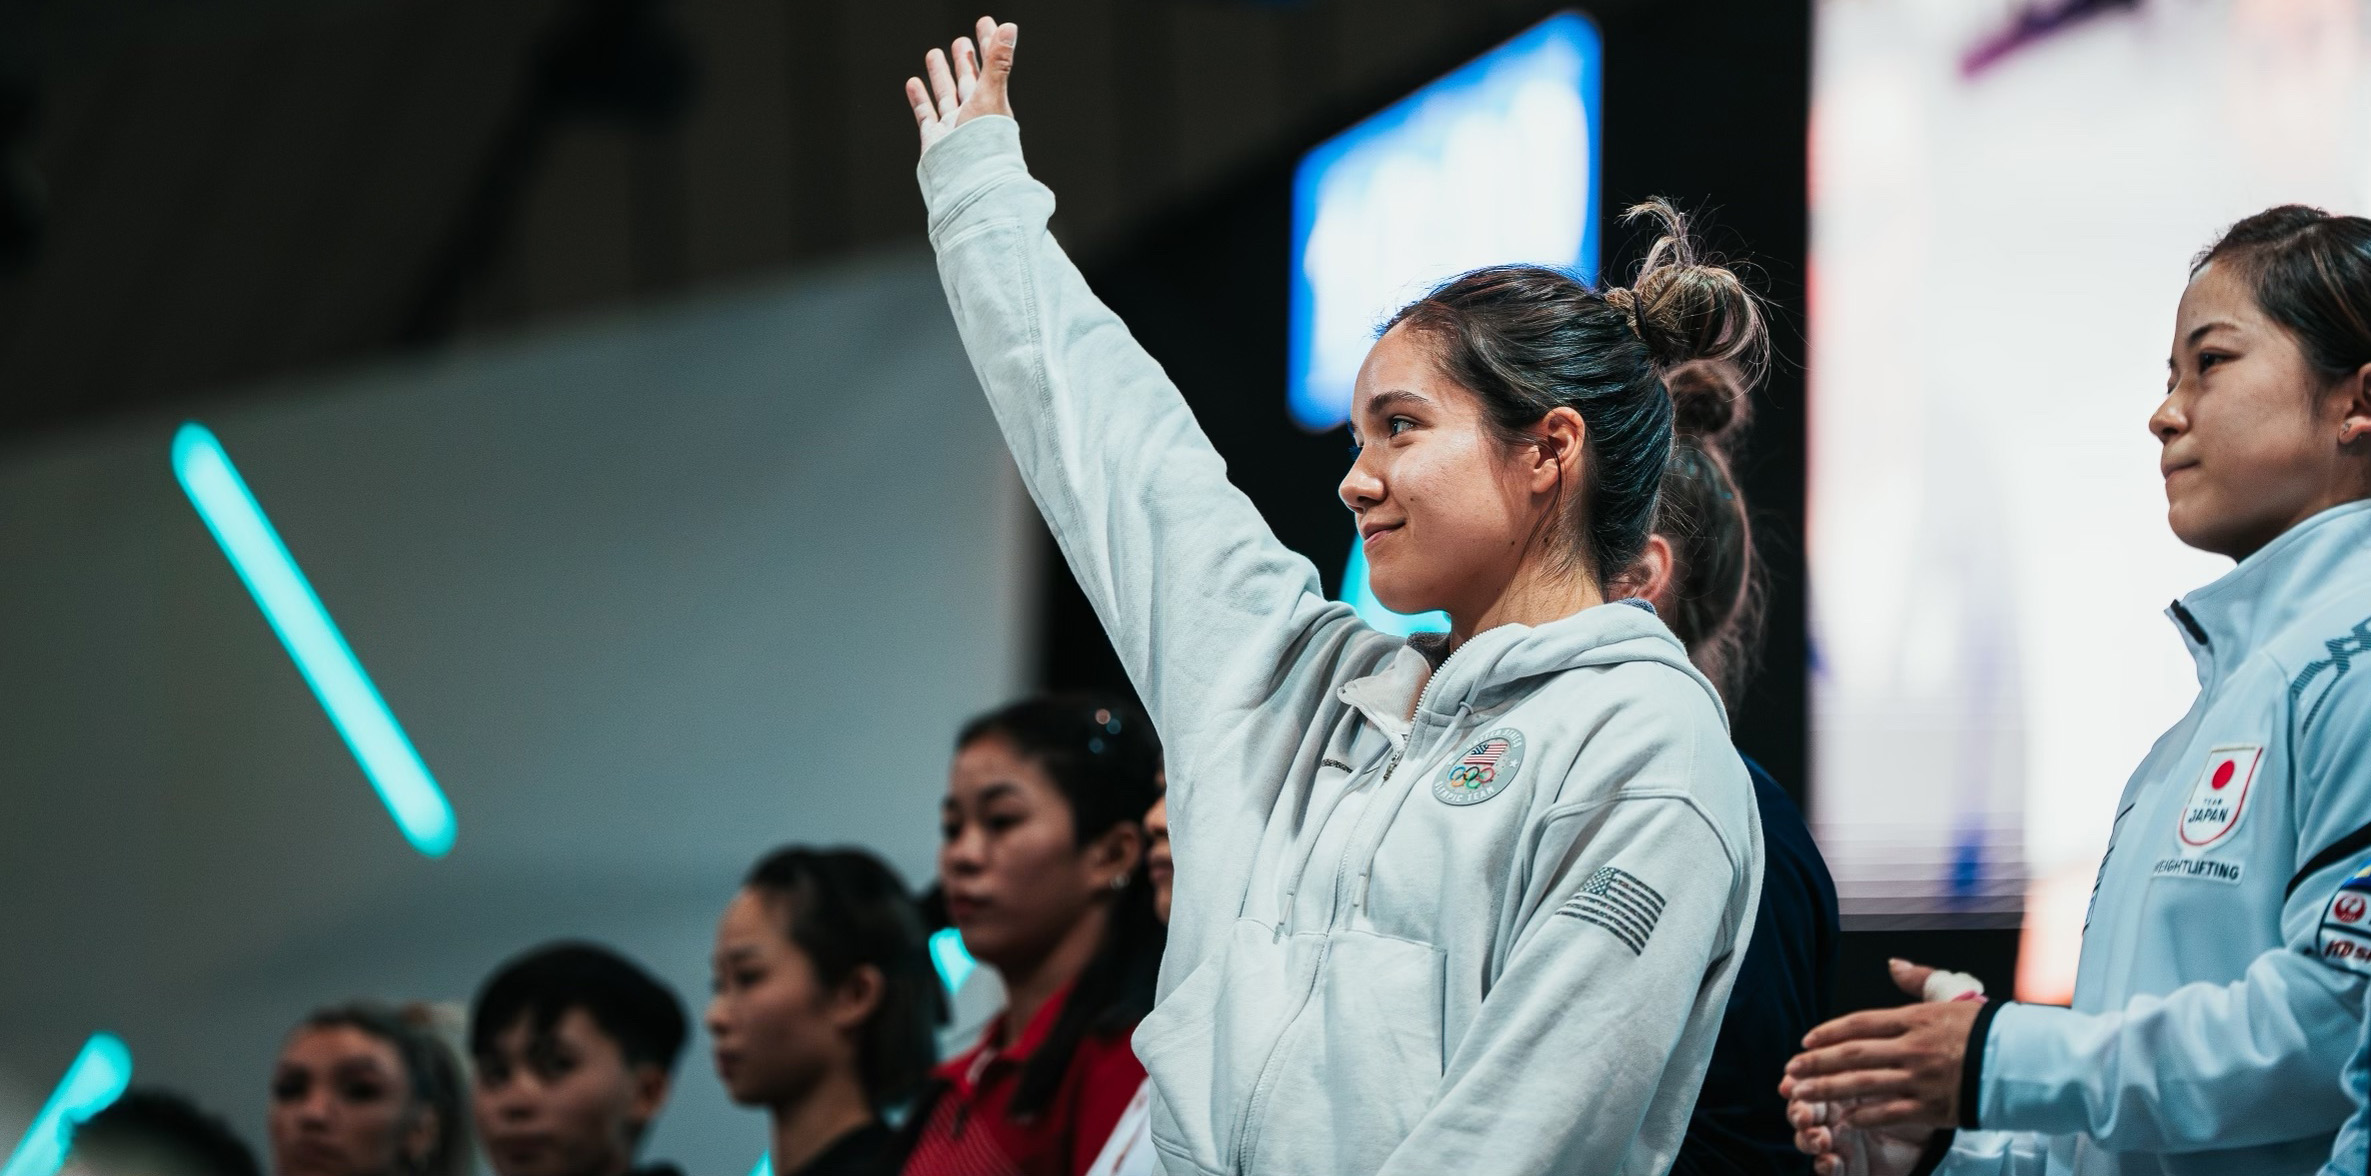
{"x": 1204, "y": 1044}
{"x": 1361, "y": 1066}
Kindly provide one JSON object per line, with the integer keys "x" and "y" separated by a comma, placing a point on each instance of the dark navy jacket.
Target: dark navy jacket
{"x": 1782, "y": 991}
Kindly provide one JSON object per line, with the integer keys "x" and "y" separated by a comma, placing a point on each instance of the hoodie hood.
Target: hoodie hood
{"x": 1496, "y": 666}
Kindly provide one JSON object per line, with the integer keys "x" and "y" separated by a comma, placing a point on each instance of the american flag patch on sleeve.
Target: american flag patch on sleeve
{"x": 1617, "y": 901}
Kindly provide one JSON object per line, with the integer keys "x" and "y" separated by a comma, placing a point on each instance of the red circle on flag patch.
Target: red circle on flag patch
{"x": 2349, "y": 908}
{"x": 2223, "y": 773}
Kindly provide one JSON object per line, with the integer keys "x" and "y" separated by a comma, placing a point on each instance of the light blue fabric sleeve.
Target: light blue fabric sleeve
{"x": 2351, "y": 1156}
{"x": 1213, "y": 617}
{"x": 2214, "y": 1066}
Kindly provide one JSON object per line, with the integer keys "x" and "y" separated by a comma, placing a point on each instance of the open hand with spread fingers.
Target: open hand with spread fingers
{"x": 975, "y": 83}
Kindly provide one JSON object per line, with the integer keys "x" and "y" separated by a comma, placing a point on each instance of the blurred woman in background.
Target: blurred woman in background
{"x": 824, "y": 1008}
{"x": 1041, "y": 864}
{"x": 367, "y": 1090}
{"x": 1129, "y": 1151}
{"x": 1702, "y": 574}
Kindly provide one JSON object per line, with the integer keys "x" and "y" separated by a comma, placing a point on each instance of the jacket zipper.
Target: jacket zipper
{"x": 1265, "y": 1085}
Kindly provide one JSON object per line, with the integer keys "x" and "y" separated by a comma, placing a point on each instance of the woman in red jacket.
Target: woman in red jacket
{"x": 1042, "y": 867}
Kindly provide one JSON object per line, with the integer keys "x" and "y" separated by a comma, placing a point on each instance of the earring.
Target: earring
{"x": 1119, "y": 882}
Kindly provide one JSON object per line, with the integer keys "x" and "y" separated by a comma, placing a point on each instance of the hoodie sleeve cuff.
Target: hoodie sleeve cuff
{"x": 974, "y": 160}
{"x": 1971, "y": 1063}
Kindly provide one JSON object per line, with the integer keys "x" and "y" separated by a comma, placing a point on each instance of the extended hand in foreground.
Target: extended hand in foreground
{"x": 974, "y": 86}
{"x": 1871, "y": 1088}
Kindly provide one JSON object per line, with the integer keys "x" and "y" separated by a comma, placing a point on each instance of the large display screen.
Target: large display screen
{"x": 1494, "y": 163}
{"x": 2005, "y": 205}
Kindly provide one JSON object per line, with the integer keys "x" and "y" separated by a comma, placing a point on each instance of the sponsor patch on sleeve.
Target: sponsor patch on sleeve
{"x": 1617, "y": 901}
{"x": 2345, "y": 939}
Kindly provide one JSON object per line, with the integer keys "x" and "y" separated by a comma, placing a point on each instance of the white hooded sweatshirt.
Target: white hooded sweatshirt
{"x": 1489, "y": 926}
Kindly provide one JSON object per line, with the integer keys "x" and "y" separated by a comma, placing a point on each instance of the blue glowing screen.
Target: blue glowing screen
{"x": 96, "y": 1079}
{"x": 1494, "y": 163}
{"x": 312, "y": 639}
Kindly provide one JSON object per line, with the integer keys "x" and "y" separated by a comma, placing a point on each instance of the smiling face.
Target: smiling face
{"x": 341, "y": 1106}
{"x": 562, "y": 1103}
{"x": 1448, "y": 511}
{"x": 779, "y": 1029}
{"x": 1016, "y": 879}
{"x": 2254, "y": 439}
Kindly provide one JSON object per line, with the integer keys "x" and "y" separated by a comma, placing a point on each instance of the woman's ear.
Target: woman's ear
{"x": 1649, "y": 576}
{"x": 2355, "y": 423}
{"x": 1561, "y": 439}
{"x": 419, "y": 1138}
{"x": 857, "y": 996}
{"x": 1116, "y": 853}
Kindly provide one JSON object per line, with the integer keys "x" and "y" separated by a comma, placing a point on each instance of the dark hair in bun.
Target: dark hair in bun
{"x": 1528, "y": 340}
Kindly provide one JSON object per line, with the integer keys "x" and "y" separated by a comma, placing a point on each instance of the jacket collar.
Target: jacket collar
{"x": 1494, "y": 664}
{"x": 966, "y": 1070}
{"x": 2225, "y": 621}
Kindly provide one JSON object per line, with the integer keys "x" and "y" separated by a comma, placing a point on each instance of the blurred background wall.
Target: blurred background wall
{"x": 650, "y": 596}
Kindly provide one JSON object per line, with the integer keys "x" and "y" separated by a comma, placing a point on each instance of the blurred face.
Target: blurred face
{"x": 563, "y": 1103}
{"x": 1016, "y": 881}
{"x": 1157, "y": 865}
{"x": 2254, "y": 440}
{"x": 1447, "y": 511}
{"x": 341, "y": 1106}
{"x": 778, "y": 1030}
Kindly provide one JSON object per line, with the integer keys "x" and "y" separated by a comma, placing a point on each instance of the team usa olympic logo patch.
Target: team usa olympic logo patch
{"x": 2345, "y": 940}
{"x": 1483, "y": 771}
{"x": 2219, "y": 798}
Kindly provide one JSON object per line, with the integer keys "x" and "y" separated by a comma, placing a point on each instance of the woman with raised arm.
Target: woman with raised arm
{"x": 1471, "y": 902}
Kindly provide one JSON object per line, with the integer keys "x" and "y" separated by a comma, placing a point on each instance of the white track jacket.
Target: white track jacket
{"x": 1487, "y": 928}
{"x": 2222, "y": 982}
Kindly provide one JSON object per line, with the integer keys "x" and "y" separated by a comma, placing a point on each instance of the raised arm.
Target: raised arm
{"x": 1211, "y": 615}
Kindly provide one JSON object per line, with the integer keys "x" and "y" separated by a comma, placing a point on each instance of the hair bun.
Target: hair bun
{"x": 1701, "y": 325}
{"x": 1710, "y": 403}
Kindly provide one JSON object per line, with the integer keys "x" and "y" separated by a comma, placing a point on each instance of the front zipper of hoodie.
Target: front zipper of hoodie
{"x": 1248, "y": 1124}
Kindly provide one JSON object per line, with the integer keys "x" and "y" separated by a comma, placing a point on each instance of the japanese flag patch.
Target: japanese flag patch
{"x": 2218, "y": 798}
{"x": 2345, "y": 940}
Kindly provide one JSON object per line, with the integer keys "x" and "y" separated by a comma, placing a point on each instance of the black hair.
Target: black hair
{"x": 643, "y": 1016}
{"x": 146, "y": 1126}
{"x": 1103, "y": 757}
{"x": 1714, "y": 604}
{"x": 431, "y": 1073}
{"x": 846, "y": 909}
{"x": 1528, "y": 340}
{"x": 2311, "y": 273}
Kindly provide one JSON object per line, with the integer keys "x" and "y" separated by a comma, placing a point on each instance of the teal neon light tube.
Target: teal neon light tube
{"x": 765, "y": 1165}
{"x": 949, "y": 956}
{"x": 95, "y": 1080}
{"x": 313, "y": 641}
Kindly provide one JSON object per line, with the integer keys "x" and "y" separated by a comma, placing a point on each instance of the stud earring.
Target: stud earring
{"x": 1119, "y": 882}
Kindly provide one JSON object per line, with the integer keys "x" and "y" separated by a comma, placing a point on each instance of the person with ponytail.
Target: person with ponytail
{"x": 1041, "y": 864}
{"x": 1701, "y": 572}
{"x": 1467, "y": 902}
{"x": 2227, "y": 948}
{"x": 824, "y": 1007}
